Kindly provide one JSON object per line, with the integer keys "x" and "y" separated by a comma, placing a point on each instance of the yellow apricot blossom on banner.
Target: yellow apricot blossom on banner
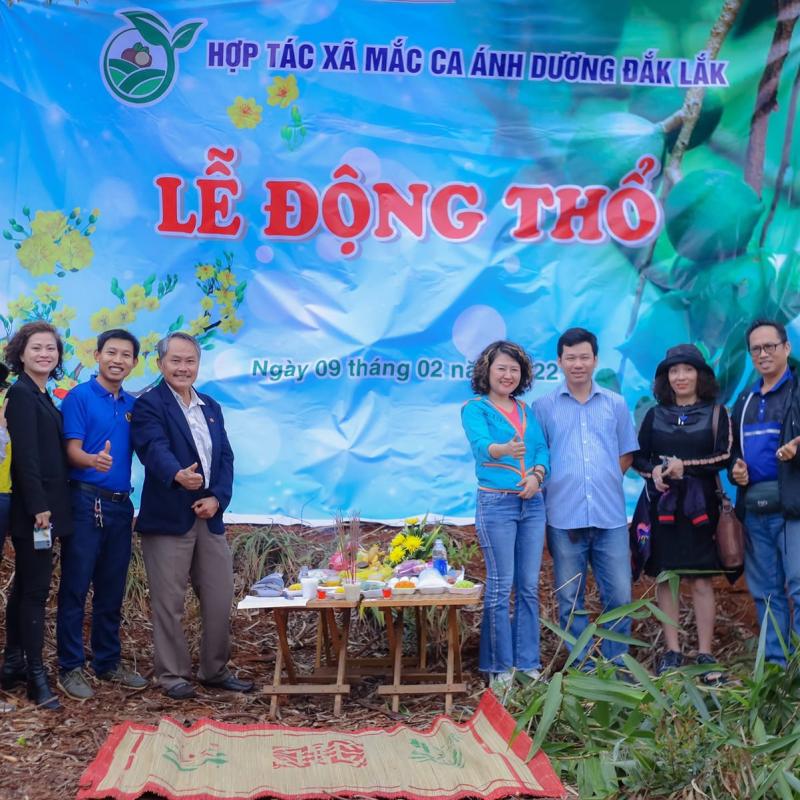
{"x": 122, "y": 315}
{"x": 47, "y": 292}
{"x": 135, "y": 296}
{"x": 38, "y": 254}
{"x": 226, "y": 278}
{"x": 206, "y": 304}
{"x": 152, "y": 303}
{"x": 75, "y": 251}
{"x": 230, "y": 324}
{"x": 245, "y": 112}
{"x": 197, "y": 325}
{"x": 282, "y": 91}
{"x": 49, "y": 223}
{"x": 21, "y": 306}
{"x": 205, "y": 272}
{"x": 148, "y": 343}
{"x": 225, "y": 297}
{"x": 102, "y": 320}
{"x": 63, "y": 317}
{"x": 84, "y": 351}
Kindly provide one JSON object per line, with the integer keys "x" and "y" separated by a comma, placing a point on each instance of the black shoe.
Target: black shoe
{"x": 671, "y": 660}
{"x": 714, "y": 676}
{"x": 14, "y": 671}
{"x": 181, "y": 691}
{"x": 38, "y": 688}
{"x": 230, "y": 684}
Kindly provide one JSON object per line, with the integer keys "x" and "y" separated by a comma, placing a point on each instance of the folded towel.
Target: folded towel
{"x": 272, "y": 583}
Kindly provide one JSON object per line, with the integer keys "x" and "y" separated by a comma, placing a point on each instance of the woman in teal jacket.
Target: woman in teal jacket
{"x": 511, "y": 462}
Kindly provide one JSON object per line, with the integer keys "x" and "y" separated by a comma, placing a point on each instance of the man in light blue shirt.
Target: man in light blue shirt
{"x": 591, "y": 438}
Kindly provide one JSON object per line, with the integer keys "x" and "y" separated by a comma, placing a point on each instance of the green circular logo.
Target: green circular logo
{"x": 139, "y": 62}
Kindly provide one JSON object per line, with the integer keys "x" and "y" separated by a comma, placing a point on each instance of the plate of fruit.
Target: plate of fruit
{"x": 466, "y": 587}
{"x": 293, "y": 590}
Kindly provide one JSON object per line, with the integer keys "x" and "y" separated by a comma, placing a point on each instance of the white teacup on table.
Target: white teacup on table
{"x": 310, "y": 586}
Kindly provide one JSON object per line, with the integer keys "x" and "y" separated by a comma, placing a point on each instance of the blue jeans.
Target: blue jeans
{"x": 607, "y": 550}
{"x": 772, "y": 570}
{"x": 98, "y": 557}
{"x": 511, "y": 535}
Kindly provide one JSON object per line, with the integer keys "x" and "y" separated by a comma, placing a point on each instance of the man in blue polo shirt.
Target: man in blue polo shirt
{"x": 766, "y": 470}
{"x": 97, "y": 418}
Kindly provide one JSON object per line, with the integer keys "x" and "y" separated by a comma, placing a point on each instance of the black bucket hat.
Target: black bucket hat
{"x": 684, "y": 354}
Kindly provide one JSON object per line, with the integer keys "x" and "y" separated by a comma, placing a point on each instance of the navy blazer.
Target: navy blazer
{"x": 164, "y": 444}
{"x": 39, "y": 471}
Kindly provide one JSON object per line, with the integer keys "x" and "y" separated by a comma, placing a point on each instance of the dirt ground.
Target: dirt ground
{"x": 43, "y": 754}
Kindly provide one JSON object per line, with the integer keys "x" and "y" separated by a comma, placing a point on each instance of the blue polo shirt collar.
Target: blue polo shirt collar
{"x": 101, "y": 390}
{"x": 787, "y": 376}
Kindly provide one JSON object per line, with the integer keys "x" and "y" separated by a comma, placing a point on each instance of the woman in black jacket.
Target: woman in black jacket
{"x": 40, "y": 500}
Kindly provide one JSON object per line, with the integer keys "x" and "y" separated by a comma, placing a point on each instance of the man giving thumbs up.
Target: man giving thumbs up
{"x": 97, "y": 429}
{"x": 179, "y": 436}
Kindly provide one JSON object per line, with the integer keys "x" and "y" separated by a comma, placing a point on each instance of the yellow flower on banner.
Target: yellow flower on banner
{"x": 102, "y": 320}
{"x": 413, "y": 543}
{"x": 122, "y": 315}
{"x": 139, "y": 369}
{"x": 152, "y": 303}
{"x": 149, "y": 342}
{"x": 197, "y": 325}
{"x": 230, "y": 324}
{"x": 49, "y": 223}
{"x": 135, "y": 296}
{"x": 84, "y": 351}
{"x": 226, "y": 278}
{"x": 152, "y": 362}
{"x": 396, "y": 555}
{"x": 412, "y": 520}
{"x": 282, "y": 91}
{"x": 399, "y": 540}
{"x": 66, "y": 383}
{"x": 225, "y": 297}
{"x": 21, "y": 306}
{"x": 38, "y": 254}
{"x": 47, "y": 292}
{"x": 75, "y": 251}
{"x": 207, "y": 304}
{"x": 245, "y": 113}
{"x": 63, "y": 317}
{"x": 204, "y": 272}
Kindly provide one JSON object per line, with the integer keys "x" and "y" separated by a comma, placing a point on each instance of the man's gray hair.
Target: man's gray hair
{"x": 163, "y": 345}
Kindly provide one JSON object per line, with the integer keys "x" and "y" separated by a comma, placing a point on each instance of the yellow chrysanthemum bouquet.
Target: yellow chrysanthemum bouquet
{"x": 410, "y": 549}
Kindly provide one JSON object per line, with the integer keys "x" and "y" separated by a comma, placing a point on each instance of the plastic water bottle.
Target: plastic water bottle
{"x": 439, "y": 555}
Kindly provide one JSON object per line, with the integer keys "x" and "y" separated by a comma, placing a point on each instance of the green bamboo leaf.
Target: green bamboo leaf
{"x": 784, "y": 790}
{"x": 622, "y": 611}
{"x": 661, "y": 616}
{"x": 616, "y": 636}
{"x": 793, "y": 781}
{"x": 580, "y": 643}
{"x": 552, "y": 704}
{"x": 641, "y": 675}
{"x": 774, "y": 744}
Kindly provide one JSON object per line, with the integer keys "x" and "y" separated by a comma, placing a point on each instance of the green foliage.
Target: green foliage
{"x": 695, "y": 226}
{"x": 670, "y": 736}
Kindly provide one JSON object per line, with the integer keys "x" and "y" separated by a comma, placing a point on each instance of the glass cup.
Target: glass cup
{"x": 310, "y": 586}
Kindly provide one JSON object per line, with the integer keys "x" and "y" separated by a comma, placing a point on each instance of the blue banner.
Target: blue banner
{"x": 346, "y": 200}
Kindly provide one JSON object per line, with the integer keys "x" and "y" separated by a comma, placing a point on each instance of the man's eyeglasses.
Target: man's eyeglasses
{"x": 767, "y": 349}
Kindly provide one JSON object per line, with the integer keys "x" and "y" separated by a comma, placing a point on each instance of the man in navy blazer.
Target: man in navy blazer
{"x": 179, "y": 436}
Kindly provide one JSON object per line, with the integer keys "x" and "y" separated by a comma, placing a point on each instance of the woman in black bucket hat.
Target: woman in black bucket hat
{"x": 679, "y": 456}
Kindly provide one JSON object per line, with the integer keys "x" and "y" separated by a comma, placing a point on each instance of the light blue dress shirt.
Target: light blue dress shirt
{"x": 586, "y": 440}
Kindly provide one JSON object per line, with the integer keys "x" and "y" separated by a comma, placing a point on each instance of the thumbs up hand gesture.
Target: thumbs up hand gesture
{"x": 103, "y": 460}
{"x": 515, "y": 447}
{"x": 189, "y": 478}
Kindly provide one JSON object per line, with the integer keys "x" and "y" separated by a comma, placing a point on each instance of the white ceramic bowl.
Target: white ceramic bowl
{"x": 408, "y": 590}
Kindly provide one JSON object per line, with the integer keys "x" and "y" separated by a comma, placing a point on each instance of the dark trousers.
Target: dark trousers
{"x": 5, "y": 508}
{"x": 93, "y": 556}
{"x": 27, "y": 600}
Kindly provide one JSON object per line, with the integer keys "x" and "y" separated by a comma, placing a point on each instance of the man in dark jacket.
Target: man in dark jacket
{"x": 179, "y": 436}
{"x": 766, "y": 471}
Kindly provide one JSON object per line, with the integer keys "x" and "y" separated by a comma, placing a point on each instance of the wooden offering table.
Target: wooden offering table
{"x": 447, "y": 683}
{"x": 332, "y": 638}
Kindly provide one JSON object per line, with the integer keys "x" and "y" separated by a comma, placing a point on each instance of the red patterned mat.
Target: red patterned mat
{"x": 216, "y": 761}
